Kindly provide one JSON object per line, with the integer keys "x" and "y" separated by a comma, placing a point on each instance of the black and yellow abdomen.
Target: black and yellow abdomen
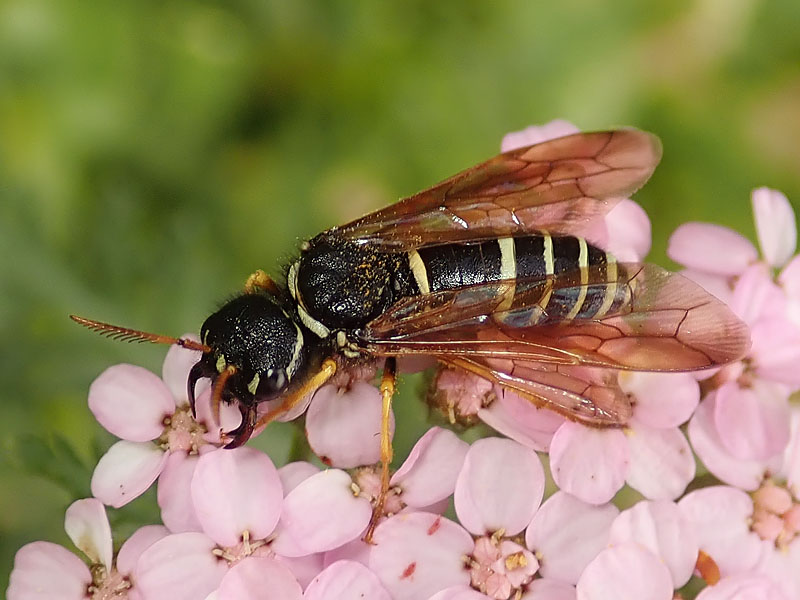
{"x": 341, "y": 285}
{"x": 572, "y": 278}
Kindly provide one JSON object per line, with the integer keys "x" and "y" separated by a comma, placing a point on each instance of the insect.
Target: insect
{"x": 488, "y": 272}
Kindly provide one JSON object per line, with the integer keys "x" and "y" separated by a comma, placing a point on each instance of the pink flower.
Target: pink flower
{"x": 343, "y": 425}
{"x": 497, "y": 495}
{"x": 745, "y": 534}
{"x": 743, "y": 586}
{"x": 652, "y": 550}
{"x": 566, "y": 534}
{"x": 651, "y": 454}
{"x": 625, "y": 571}
{"x": 499, "y": 488}
{"x": 430, "y": 472}
{"x": 750, "y": 414}
{"x": 424, "y": 481}
{"x": 237, "y": 497}
{"x": 745, "y": 473}
{"x": 536, "y": 134}
{"x": 419, "y": 554}
{"x": 153, "y": 418}
{"x": 247, "y": 580}
{"x": 45, "y": 570}
{"x": 661, "y": 528}
{"x": 306, "y": 526}
{"x": 716, "y": 250}
{"x": 346, "y": 580}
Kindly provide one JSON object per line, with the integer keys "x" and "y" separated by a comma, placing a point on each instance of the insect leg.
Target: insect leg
{"x": 260, "y": 280}
{"x": 387, "y": 391}
{"x": 311, "y": 385}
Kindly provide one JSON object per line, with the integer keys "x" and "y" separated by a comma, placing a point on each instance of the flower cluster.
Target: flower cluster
{"x": 472, "y": 521}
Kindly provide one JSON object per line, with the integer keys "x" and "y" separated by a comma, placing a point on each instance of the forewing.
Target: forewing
{"x": 560, "y": 186}
{"x": 591, "y": 396}
{"x": 657, "y": 321}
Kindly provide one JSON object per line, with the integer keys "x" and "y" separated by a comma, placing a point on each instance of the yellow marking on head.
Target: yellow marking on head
{"x": 253, "y": 385}
{"x": 221, "y": 363}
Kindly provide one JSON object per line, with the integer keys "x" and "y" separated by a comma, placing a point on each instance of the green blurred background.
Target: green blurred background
{"x": 153, "y": 154}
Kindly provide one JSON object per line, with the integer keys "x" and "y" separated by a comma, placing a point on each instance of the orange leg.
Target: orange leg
{"x": 261, "y": 280}
{"x": 387, "y": 391}
{"x": 311, "y": 385}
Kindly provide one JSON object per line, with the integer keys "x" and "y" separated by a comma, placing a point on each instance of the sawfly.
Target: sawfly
{"x": 489, "y": 272}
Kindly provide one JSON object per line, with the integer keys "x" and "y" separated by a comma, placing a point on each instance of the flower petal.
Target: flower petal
{"x": 429, "y": 473}
{"x": 131, "y": 402}
{"x": 781, "y": 568}
{"x": 357, "y": 550}
{"x": 756, "y": 296}
{"x": 181, "y": 566}
{"x": 660, "y": 527}
{"x": 743, "y": 586}
{"x": 720, "y": 518}
{"x": 175, "y": 370}
{"x": 536, "y": 134}
{"x": 304, "y": 568}
{"x": 45, "y": 571}
{"x": 343, "y": 426}
{"x": 775, "y": 225}
{"x": 591, "y": 464}
{"x": 752, "y": 422}
{"x": 776, "y": 350}
{"x": 499, "y": 487}
{"x": 307, "y": 510}
{"x": 629, "y": 231}
{"x": 567, "y": 534}
{"x": 662, "y": 464}
{"x": 126, "y": 471}
{"x": 550, "y": 589}
{"x": 790, "y": 278}
{"x": 418, "y": 554}
{"x": 662, "y": 399}
{"x": 295, "y": 473}
{"x": 87, "y": 526}
{"x": 458, "y": 592}
{"x": 175, "y": 493}
{"x": 711, "y": 248}
{"x": 245, "y": 581}
{"x": 625, "y": 572}
{"x": 139, "y": 541}
{"x": 234, "y": 491}
{"x": 744, "y": 474}
{"x": 790, "y": 469}
{"x": 718, "y": 285}
{"x": 346, "y": 580}
{"x": 517, "y": 418}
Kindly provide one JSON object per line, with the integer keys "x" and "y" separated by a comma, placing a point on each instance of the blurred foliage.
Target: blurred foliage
{"x": 153, "y": 154}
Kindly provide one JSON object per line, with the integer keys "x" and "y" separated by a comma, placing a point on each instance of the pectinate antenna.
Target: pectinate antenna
{"x": 124, "y": 334}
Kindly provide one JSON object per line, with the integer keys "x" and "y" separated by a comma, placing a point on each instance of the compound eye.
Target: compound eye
{"x": 271, "y": 382}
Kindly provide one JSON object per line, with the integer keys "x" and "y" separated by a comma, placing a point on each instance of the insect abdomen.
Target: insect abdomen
{"x": 531, "y": 262}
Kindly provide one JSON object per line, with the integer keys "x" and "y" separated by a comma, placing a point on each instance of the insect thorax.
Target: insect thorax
{"x": 342, "y": 286}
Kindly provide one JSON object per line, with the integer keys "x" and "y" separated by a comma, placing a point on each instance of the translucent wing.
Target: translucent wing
{"x": 642, "y": 318}
{"x": 591, "y": 396}
{"x": 560, "y": 186}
